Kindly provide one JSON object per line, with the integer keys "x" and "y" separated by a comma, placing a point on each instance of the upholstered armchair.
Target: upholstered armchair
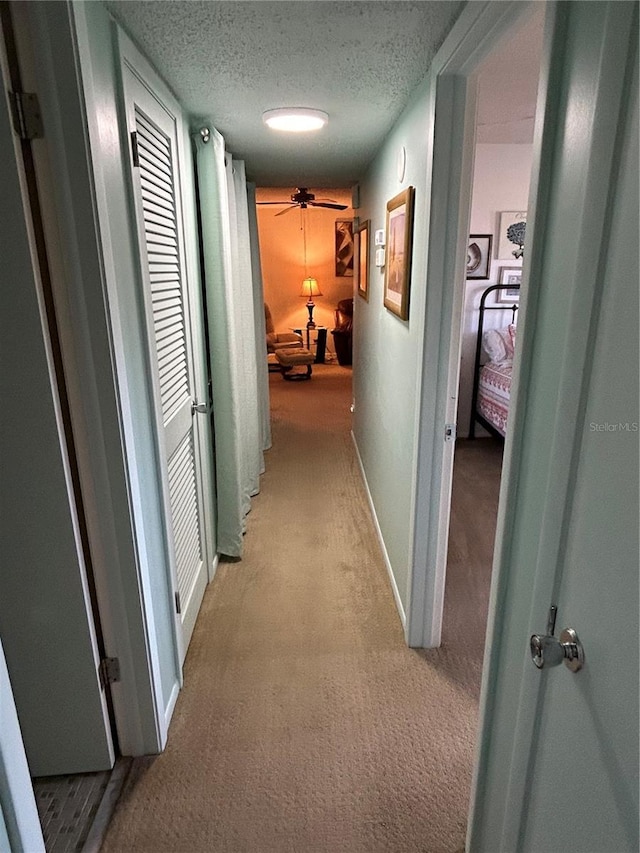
{"x": 343, "y": 332}
{"x": 279, "y": 340}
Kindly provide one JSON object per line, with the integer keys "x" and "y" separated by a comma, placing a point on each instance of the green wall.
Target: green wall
{"x": 387, "y": 349}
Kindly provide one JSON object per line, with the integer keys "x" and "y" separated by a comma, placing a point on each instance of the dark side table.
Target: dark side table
{"x": 320, "y": 341}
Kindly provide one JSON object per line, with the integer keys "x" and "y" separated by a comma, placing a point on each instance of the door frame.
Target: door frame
{"x": 100, "y": 400}
{"x": 31, "y": 166}
{"x": 454, "y": 73}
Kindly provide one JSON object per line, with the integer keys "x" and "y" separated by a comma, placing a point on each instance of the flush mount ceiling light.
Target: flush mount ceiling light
{"x": 295, "y": 119}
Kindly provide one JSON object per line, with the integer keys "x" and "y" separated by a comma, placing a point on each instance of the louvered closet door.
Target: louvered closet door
{"x": 167, "y": 303}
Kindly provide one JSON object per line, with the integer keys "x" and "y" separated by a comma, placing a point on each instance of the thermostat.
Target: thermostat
{"x": 379, "y": 237}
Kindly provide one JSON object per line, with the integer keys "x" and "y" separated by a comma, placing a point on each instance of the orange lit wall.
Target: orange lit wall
{"x": 282, "y": 258}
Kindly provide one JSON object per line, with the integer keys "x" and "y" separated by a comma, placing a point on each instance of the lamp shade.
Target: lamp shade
{"x": 310, "y": 288}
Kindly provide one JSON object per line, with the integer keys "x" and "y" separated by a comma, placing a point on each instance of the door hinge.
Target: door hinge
{"x": 109, "y": 671}
{"x": 178, "y": 603}
{"x": 27, "y": 118}
{"x": 450, "y": 432}
{"x": 134, "y": 149}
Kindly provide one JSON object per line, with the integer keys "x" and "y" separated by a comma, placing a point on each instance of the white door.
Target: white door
{"x": 152, "y": 123}
{"x": 558, "y": 766}
{"x": 46, "y": 619}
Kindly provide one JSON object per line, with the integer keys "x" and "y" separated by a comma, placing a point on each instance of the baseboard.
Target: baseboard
{"x": 100, "y": 823}
{"x": 383, "y": 547}
{"x": 213, "y": 568}
{"x": 171, "y": 704}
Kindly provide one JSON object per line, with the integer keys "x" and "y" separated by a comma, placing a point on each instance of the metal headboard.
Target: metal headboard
{"x": 475, "y": 416}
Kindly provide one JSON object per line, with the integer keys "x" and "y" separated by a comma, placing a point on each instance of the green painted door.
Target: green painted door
{"x": 558, "y": 767}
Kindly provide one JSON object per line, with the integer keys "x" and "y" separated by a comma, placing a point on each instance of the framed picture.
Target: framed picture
{"x": 508, "y": 218}
{"x": 509, "y": 275}
{"x": 361, "y": 263}
{"x": 344, "y": 247}
{"x": 397, "y": 271}
{"x": 479, "y": 256}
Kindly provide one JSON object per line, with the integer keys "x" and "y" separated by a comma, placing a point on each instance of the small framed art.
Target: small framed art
{"x": 515, "y": 220}
{"x": 361, "y": 259}
{"x": 397, "y": 273}
{"x": 512, "y": 276}
{"x": 344, "y": 247}
{"x": 479, "y": 256}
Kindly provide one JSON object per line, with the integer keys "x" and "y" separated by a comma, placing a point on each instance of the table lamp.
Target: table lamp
{"x": 310, "y": 289}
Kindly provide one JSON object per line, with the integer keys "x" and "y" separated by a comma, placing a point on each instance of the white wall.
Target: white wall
{"x": 500, "y": 182}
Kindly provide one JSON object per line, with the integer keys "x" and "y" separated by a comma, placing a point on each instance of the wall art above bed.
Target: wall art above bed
{"x": 511, "y": 233}
{"x": 479, "y": 256}
{"x": 511, "y": 276}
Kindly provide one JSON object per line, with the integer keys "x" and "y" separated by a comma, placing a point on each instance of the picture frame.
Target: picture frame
{"x": 479, "y": 256}
{"x": 361, "y": 260}
{"x": 397, "y": 271}
{"x": 505, "y": 248}
{"x": 509, "y": 275}
{"x": 344, "y": 247}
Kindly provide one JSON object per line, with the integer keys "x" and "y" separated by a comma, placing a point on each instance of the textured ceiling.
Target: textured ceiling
{"x": 229, "y": 61}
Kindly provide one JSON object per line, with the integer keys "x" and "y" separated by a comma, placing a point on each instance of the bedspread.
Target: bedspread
{"x": 494, "y": 389}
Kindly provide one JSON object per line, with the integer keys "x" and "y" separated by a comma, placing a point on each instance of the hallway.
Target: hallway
{"x": 305, "y": 723}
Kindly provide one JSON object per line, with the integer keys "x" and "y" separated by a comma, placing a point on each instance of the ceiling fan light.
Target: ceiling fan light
{"x": 295, "y": 119}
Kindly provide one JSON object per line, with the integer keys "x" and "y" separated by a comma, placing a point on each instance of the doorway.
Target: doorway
{"x": 507, "y": 88}
{"x": 582, "y": 168}
{"x": 299, "y": 245}
{"x": 50, "y": 619}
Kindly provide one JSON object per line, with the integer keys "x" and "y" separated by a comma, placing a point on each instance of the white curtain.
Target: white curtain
{"x": 232, "y": 289}
{"x": 260, "y": 324}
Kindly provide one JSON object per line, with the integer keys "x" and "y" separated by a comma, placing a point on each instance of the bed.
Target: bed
{"x": 492, "y": 379}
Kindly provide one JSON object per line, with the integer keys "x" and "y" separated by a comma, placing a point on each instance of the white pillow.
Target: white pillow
{"x": 497, "y": 345}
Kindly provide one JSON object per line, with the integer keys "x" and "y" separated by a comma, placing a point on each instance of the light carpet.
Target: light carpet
{"x": 305, "y": 723}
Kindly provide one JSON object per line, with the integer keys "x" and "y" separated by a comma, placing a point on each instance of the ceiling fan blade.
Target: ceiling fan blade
{"x": 287, "y": 209}
{"x": 273, "y": 202}
{"x": 324, "y": 204}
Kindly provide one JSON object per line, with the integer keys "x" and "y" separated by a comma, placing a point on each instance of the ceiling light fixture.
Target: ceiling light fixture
{"x": 295, "y": 119}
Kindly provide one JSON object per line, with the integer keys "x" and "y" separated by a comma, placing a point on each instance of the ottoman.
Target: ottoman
{"x": 290, "y": 358}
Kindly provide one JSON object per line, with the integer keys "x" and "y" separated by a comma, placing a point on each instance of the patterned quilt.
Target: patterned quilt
{"x": 494, "y": 388}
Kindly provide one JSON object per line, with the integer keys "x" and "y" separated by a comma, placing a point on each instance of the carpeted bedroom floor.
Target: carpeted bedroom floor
{"x": 305, "y": 724}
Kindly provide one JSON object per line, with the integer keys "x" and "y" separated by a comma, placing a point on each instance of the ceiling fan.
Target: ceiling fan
{"x": 302, "y": 198}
